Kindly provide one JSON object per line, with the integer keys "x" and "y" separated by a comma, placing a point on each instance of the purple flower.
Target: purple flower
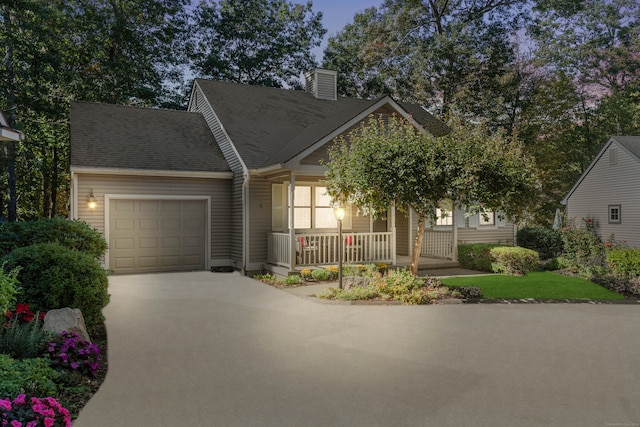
{"x": 5, "y": 404}
{"x": 16, "y": 423}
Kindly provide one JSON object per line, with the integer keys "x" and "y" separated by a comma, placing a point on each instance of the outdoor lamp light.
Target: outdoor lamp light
{"x": 338, "y": 212}
{"x": 92, "y": 200}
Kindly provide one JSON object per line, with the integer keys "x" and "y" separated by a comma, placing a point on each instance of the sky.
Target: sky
{"x": 336, "y": 14}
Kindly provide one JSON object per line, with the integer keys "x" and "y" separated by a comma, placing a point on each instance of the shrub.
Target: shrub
{"x": 546, "y": 241}
{"x": 53, "y": 276}
{"x": 77, "y": 235}
{"x": 293, "y": 280}
{"x": 31, "y": 376}
{"x": 583, "y": 248}
{"x": 321, "y": 274}
{"x": 333, "y": 271}
{"x": 470, "y": 292}
{"x": 8, "y": 289}
{"x": 23, "y": 340}
{"x": 514, "y": 260}
{"x": 305, "y": 273}
{"x": 34, "y": 412}
{"x": 475, "y": 256}
{"x": 624, "y": 262}
{"x": 358, "y": 293}
{"x": 69, "y": 351}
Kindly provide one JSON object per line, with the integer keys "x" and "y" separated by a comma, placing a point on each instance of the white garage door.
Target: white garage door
{"x": 156, "y": 235}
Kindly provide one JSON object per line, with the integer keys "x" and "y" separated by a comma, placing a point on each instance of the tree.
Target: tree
{"x": 386, "y": 163}
{"x": 258, "y": 42}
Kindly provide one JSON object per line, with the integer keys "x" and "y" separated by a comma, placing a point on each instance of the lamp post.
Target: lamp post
{"x": 338, "y": 212}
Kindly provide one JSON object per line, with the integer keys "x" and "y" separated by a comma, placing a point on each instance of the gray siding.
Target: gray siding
{"x": 402, "y": 234}
{"x": 200, "y": 104}
{"x": 259, "y": 219}
{"x": 217, "y": 189}
{"x": 610, "y": 184}
{"x": 488, "y": 234}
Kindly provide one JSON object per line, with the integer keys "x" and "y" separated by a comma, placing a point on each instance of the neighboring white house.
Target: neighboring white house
{"x": 608, "y": 192}
{"x": 6, "y": 132}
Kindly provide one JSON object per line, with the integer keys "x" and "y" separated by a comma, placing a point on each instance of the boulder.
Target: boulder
{"x": 355, "y": 281}
{"x": 66, "y": 319}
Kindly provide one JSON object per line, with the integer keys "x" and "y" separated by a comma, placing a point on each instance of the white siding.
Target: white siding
{"x": 610, "y": 183}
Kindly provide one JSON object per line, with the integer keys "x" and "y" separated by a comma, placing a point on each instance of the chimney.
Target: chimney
{"x": 322, "y": 83}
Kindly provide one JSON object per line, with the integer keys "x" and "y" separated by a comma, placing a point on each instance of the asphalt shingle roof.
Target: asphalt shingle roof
{"x": 631, "y": 143}
{"x": 270, "y": 125}
{"x": 115, "y": 136}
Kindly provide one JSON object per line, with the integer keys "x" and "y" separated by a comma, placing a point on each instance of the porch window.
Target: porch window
{"x": 313, "y": 209}
{"x": 444, "y": 214}
{"x": 487, "y": 218}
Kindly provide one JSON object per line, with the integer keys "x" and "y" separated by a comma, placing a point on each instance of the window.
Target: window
{"x": 615, "y": 216}
{"x": 312, "y": 208}
{"x": 444, "y": 213}
{"x": 487, "y": 218}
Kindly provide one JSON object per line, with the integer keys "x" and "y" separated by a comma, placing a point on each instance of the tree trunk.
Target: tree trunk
{"x": 417, "y": 246}
{"x": 12, "y": 211}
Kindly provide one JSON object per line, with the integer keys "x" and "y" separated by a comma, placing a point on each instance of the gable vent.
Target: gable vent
{"x": 322, "y": 83}
{"x": 613, "y": 156}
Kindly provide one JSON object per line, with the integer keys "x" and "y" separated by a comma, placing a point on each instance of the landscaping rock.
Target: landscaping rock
{"x": 354, "y": 281}
{"x": 66, "y": 319}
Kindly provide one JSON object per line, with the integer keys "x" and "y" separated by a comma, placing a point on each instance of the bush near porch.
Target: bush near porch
{"x": 38, "y": 369}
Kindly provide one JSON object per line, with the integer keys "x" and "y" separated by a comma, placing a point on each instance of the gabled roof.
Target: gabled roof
{"x": 269, "y": 126}
{"x": 109, "y": 136}
{"x": 630, "y": 143}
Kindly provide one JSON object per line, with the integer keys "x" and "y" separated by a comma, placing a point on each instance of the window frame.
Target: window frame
{"x": 618, "y": 211}
{"x": 346, "y": 222}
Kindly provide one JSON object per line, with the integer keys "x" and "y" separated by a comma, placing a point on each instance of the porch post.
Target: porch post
{"x": 292, "y": 229}
{"x": 454, "y": 234}
{"x": 393, "y": 234}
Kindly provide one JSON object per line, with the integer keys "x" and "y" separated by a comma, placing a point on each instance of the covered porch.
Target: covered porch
{"x": 305, "y": 250}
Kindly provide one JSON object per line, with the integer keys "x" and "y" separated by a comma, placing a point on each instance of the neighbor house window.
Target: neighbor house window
{"x": 615, "y": 214}
{"x": 312, "y": 208}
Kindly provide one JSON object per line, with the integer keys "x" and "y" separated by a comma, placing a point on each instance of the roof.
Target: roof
{"x": 124, "y": 137}
{"x": 630, "y": 143}
{"x": 270, "y": 125}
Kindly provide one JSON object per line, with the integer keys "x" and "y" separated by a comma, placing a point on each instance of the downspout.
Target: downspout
{"x": 245, "y": 221}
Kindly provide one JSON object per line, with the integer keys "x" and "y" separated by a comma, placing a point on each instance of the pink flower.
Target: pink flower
{"x": 32, "y": 424}
{"x": 48, "y": 422}
{"x": 15, "y": 423}
{"x": 5, "y": 404}
{"x": 20, "y": 400}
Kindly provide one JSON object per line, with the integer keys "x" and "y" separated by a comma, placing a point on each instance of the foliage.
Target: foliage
{"x": 468, "y": 292}
{"x": 396, "y": 285}
{"x": 293, "y": 279}
{"x": 475, "y": 256}
{"x": 321, "y": 274}
{"x": 9, "y": 286}
{"x": 34, "y": 412}
{"x": 267, "y": 278}
{"x": 583, "y": 248}
{"x": 33, "y": 376}
{"x": 305, "y": 273}
{"x": 536, "y": 285}
{"x": 333, "y": 269}
{"x": 624, "y": 262}
{"x": 73, "y": 234}
{"x": 258, "y": 42}
{"x": 387, "y": 162}
{"x": 54, "y": 276}
{"x": 626, "y": 286}
{"x": 23, "y": 340}
{"x": 514, "y": 261}
{"x": 69, "y": 351}
{"x": 22, "y": 314}
{"x": 546, "y": 241}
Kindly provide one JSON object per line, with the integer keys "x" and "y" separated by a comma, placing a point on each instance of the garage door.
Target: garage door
{"x": 156, "y": 235}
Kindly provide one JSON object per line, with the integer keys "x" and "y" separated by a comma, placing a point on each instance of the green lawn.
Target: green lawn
{"x": 542, "y": 285}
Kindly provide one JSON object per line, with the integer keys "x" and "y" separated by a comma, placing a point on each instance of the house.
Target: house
{"x": 236, "y": 180}
{"x": 6, "y": 132}
{"x": 608, "y": 193}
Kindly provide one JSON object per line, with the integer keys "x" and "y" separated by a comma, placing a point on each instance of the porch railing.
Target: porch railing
{"x": 323, "y": 248}
{"x": 438, "y": 244}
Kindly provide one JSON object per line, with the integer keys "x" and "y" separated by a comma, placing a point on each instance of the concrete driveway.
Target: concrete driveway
{"x": 219, "y": 349}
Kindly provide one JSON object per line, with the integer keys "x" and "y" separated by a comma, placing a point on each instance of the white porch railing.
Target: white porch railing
{"x": 438, "y": 244}
{"x": 323, "y": 249}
